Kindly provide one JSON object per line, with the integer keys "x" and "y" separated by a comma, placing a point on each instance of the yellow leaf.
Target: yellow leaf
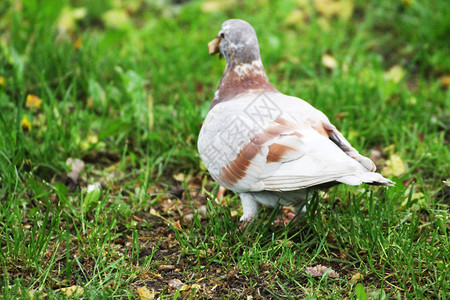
{"x": 69, "y": 16}
{"x": 323, "y": 24}
{"x": 329, "y": 61}
{"x": 145, "y": 294}
{"x": 357, "y": 277}
{"x": 2, "y": 80}
{"x": 25, "y": 124}
{"x": 153, "y": 212}
{"x": 78, "y": 43}
{"x": 296, "y": 17}
{"x": 210, "y": 6}
{"x": 394, "y": 166}
{"x": 329, "y": 8}
{"x": 395, "y": 74}
{"x": 74, "y": 290}
{"x": 92, "y": 138}
{"x": 179, "y": 177}
{"x": 116, "y": 18}
{"x": 445, "y": 81}
{"x": 33, "y": 102}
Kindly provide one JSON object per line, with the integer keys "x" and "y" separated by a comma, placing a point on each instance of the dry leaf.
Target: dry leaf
{"x": 394, "y": 166}
{"x": 324, "y": 24}
{"x": 179, "y": 177}
{"x": 25, "y": 124}
{"x": 76, "y": 166}
{"x": 74, "y": 290}
{"x": 296, "y": 17}
{"x": 329, "y": 8}
{"x": 166, "y": 267}
{"x": 395, "y": 74}
{"x": 177, "y": 225}
{"x": 357, "y": 277}
{"x": 176, "y": 284}
{"x": 33, "y": 102}
{"x": 319, "y": 270}
{"x": 116, "y": 19}
{"x": 210, "y": 6}
{"x": 153, "y": 212}
{"x": 329, "y": 61}
{"x": 213, "y": 46}
{"x": 145, "y": 294}
{"x": 69, "y": 16}
{"x": 445, "y": 81}
{"x": 78, "y": 43}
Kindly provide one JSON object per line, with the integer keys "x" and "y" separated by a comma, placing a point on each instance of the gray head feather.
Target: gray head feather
{"x": 239, "y": 43}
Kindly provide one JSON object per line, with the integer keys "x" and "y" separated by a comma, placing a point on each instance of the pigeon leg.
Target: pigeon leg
{"x": 249, "y": 206}
{"x": 220, "y": 194}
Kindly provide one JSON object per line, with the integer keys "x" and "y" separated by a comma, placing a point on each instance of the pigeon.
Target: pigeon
{"x": 270, "y": 148}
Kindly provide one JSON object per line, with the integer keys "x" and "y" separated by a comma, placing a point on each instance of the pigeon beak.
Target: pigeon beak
{"x": 213, "y": 47}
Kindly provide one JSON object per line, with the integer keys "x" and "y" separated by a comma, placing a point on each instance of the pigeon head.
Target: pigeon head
{"x": 244, "y": 72}
{"x": 237, "y": 42}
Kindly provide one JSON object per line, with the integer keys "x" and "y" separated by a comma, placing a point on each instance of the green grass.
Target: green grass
{"x": 130, "y": 101}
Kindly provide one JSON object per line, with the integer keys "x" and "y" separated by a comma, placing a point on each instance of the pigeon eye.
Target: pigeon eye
{"x": 222, "y": 35}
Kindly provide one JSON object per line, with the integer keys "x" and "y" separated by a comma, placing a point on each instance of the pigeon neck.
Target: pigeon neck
{"x": 240, "y": 79}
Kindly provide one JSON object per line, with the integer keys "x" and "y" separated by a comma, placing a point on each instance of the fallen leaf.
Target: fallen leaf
{"x": 296, "y": 17}
{"x": 177, "y": 225}
{"x": 2, "y": 80}
{"x": 74, "y": 290}
{"x": 76, "y": 166}
{"x": 445, "y": 81}
{"x": 69, "y": 16}
{"x": 179, "y": 177}
{"x": 188, "y": 218}
{"x": 210, "y": 6}
{"x": 78, "y": 43}
{"x": 153, "y": 212}
{"x": 395, "y": 74}
{"x": 145, "y": 294}
{"x": 324, "y": 24}
{"x": 319, "y": 271}
{"x": 329, "y": 62}
{"x": 394, "y": 166}
{"x": 176, "y": 284}
{"x": 166, "y": 267}
{"x": 116, "y": 19}
{"x": 329, "y": 8}
{"x": 92, "y": 139}
{"x": 25, "y": 124}
{"x": 33, "y": 102}
{"x": 356, "y": 277}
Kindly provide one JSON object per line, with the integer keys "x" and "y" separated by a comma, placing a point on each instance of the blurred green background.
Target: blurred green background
{"x": 125, "y": 85}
